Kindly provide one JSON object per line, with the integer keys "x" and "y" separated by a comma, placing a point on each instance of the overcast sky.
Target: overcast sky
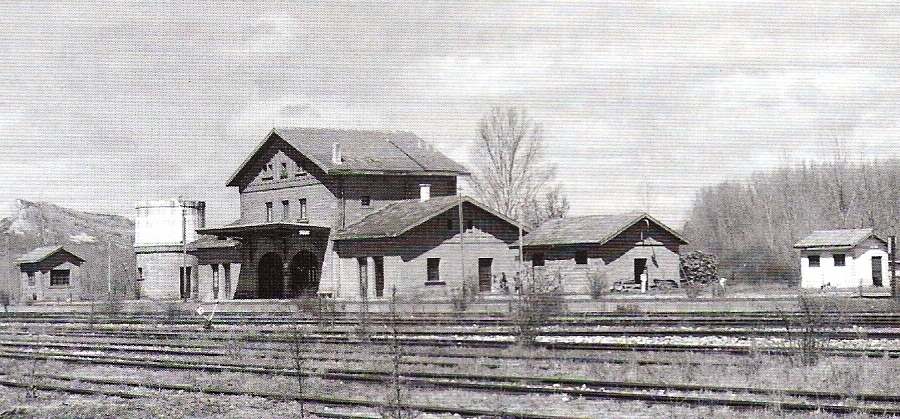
{"x": 106, "y": 104}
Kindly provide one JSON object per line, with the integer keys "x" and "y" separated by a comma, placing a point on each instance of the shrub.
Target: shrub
{"x": 539, "y": 300}
{"x": 698, "y": 270}
{"x": 598, "y": 282}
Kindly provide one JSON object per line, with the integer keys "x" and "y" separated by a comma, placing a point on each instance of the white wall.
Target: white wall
{"x": 159, "y": 223}
{"x": 856, "y": 272}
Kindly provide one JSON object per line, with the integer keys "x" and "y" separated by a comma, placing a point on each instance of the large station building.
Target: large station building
{"x": 350, "y": 214}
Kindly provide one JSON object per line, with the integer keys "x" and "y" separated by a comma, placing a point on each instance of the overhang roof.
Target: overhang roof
{"x": 399, "y": 217}
{"x": 240, "y": 229}
{"x": 590, "y": 229}
{"x": 39, "y": 254}
{"x": 362, "y": 151}
{"x": 211, "y": 242}
{"x": 837, "y": 238}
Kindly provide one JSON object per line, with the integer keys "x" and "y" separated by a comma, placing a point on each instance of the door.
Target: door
{"x": 379, "y": 276}
{"x": 185, "y": 281}
{"x": 484, "y": 274}
{"x": 876, "y": 271}
{"x": 640, "y": 268}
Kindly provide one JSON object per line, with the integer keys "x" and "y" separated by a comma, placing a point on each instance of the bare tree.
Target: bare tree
{"x": 510, "y": 174}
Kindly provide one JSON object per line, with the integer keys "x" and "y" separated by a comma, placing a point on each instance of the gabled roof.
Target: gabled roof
{"x": 590, "y": 229}
{"x": 361, "y": 151}
{"x": 399, "y": 217}
{"x": 41, "y": 253}
{"x": 837, "y": 238}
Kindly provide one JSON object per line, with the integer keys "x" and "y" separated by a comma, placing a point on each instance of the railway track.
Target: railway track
{"x": 662, "y": 393}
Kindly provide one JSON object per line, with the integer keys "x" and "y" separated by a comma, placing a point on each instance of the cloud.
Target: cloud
{"x": 642, "y": 103}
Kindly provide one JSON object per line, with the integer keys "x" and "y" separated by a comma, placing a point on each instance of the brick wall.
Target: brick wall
{"x": 406, "y": 258}
{"x": 162, "y": 274}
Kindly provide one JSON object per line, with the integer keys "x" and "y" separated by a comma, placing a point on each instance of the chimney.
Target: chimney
{"x": 336, "y": 157}
{"x": 424, "y": 192}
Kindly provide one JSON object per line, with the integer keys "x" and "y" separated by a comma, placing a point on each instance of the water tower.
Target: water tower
{"x": 161, "y": 229}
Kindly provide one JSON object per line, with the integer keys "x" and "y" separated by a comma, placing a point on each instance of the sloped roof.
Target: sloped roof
{"x": 836, "y": 238}
{"x": 42, "y": 253}
{"x": 399, "y": 217}
{"x": 595, "y": 229}
{"x": 362, "y": 151}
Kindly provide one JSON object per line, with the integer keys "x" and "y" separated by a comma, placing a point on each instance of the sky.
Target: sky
{"x": 642, "y": 104}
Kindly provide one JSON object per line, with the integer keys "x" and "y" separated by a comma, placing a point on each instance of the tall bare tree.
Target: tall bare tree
{"x": 510, "y": 173}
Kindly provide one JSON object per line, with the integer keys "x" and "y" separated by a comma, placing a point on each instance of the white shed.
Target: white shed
{"x": 843, "y": 259}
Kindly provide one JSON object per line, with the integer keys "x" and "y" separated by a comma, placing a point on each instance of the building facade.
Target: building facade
{"x": 50, "y": 273}
{"x": 847, "y": 258}
{"x": 625, "y": 249}
{"x": 347, "y": 214}
{"x": 164, "y": 269}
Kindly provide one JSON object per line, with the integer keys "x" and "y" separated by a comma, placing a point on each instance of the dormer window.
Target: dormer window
{"x": 267, "y": 172}
{"x": 365, "y": 201}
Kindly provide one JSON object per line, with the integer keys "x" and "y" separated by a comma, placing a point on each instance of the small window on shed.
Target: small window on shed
{"x": 365, "y": 200}
{"x": 840, "y": 259}
{"x": 537, "y": 259}
{"x": 59, "y": 278}
{"x": 581, "y": 257}
{"x": 813, "y": 261}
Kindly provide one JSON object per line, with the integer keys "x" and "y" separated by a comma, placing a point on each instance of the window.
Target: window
{"x": 268, "y": 212}
{"x": 365, "y": 201}
{"x": 140, "y": 276}
{"x": 840, "y": 259}
{"x": 303, "y": 208}
{"x": 813, "y": 261}
{"x": 59, "y": 278}
{"x": 284, "y": 172}
{"x": 267, "y": 172}
{"x": 450, "y": 224}
{"x": 363, "y": 276}
{"x": 285, "y": 210}
{"x": 31, "y": 281}
{"x": 581, "y": 257}
{"x": 434, "y": 270}
{"x": 537, "y": 259}
{"x": 300, "y": 171}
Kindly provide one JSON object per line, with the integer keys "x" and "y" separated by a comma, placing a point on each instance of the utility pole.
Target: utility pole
{"x": 186, "y": 280}
{"x": 109, "y": 268}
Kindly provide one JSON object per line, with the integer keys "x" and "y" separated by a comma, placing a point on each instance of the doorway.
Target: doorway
{"x": 876, "y": 271}
{"x": 484, "y": 274}
{"x": 270, "y": 281}
{"x": 304, "y": 275}
{"x": 640, "y": 269}
{"x": 184, "y": 274}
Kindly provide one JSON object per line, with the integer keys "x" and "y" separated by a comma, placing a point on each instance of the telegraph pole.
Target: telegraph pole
{"x": 109, "y": 268}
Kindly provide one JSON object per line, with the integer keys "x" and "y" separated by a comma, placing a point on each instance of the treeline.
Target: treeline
{"x": 751, "y": 226}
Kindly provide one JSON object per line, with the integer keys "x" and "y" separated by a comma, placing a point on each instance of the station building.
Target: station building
{"x": 50, "y": 273}
{"x": 848, "y": 258}
{"x": 632, "y": 249}
{"x": 350, "y": 214}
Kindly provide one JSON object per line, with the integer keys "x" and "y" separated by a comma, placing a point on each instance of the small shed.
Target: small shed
{"x": 50, "y": 273}
{"x": 843, "y": 259}
{"x": 634, "y": 250}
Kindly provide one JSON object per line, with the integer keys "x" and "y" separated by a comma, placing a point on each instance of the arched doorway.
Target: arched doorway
{"x": 269, "y": 279}
{"x": 304, "y": 274}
